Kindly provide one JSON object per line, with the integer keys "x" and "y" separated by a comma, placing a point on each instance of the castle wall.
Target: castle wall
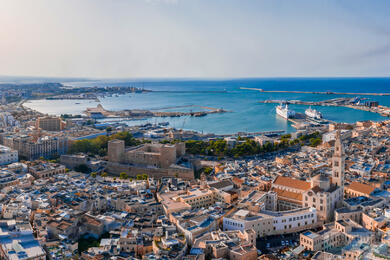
{"x": 143, "y": 158}
{"x": 132, "y": 171}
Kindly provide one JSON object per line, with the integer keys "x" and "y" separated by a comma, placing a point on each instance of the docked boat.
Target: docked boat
{"x": 313, "y": 113}
{"x": 284, "y": 111}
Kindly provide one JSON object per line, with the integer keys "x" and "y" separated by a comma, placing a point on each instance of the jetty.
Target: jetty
{"x": 302, "y": 121}
{"x": 317, "y": 92}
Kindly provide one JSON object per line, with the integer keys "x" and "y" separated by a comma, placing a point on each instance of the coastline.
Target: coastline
{"x": 247, "y": 113}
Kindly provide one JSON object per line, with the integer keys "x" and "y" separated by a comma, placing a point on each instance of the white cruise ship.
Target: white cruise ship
{"x": 313, "y": 113}
{"x": 284, "y": 111}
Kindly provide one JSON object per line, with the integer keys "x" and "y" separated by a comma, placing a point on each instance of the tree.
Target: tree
{"x": 139, "y": 177}
{"x": 127, "y": 137}
{"x": 93, "y": 174}
{"x": 104, "y": 174}
{"x": 99, "y": 144}
{"x": 123, "y": 176}
{"x": 145, "y": 176}
{"x": 315, "y": 141}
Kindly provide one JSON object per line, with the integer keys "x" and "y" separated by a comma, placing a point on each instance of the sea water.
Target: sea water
{"x": 247, "y": 114}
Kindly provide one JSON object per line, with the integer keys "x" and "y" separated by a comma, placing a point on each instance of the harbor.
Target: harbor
{"x": 247, "y": 114}
{"x": 354, "y": 103}
{"x": 311, "y": 117}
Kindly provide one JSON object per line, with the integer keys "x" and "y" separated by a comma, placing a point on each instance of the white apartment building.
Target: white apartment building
{"x": 267, "y": 223}
{"x": 7, "y": 155}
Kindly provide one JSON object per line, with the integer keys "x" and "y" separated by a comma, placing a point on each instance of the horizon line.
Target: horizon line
{"x": 69, "y": 78}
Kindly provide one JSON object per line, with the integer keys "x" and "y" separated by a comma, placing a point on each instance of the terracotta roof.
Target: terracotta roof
{"x": 288, "y": 195}
{"x": 361, "y": 187}
{"x": 292, "y": 183}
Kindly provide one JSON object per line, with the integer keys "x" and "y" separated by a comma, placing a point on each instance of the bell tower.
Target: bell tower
{"x": 338, "y": 161}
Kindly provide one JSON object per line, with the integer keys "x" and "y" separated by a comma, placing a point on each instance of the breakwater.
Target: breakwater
{"x": 317, "y": 92}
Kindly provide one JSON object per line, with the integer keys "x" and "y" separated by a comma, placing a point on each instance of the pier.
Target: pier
{"x": 316, "y": 92}
{"x": 301, "y": 121}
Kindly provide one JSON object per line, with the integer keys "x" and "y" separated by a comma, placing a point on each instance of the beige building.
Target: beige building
{"x": 335, "y": 235}
{"x": 372, "y": 221}
{"x": 50, "y": 123}
{"x": 346, "y": 213}
{"x": 176, "y": 201}
{"x": 73, "y": 160}
{"x": 235, "y": 245}
{"x": 46, "y": 170}
{"x": 32, "y": 149}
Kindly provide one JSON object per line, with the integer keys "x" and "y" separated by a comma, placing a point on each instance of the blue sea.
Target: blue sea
{"x": 246, "y": 113}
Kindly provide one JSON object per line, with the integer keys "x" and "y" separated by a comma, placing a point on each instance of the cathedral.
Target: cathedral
{"x": 325, "y": 193}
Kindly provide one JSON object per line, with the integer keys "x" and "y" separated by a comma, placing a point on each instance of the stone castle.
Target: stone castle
{"x": 156, "y": 160}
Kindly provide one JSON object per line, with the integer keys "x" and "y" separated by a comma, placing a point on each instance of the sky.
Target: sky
{"x": 194, "y": 38}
